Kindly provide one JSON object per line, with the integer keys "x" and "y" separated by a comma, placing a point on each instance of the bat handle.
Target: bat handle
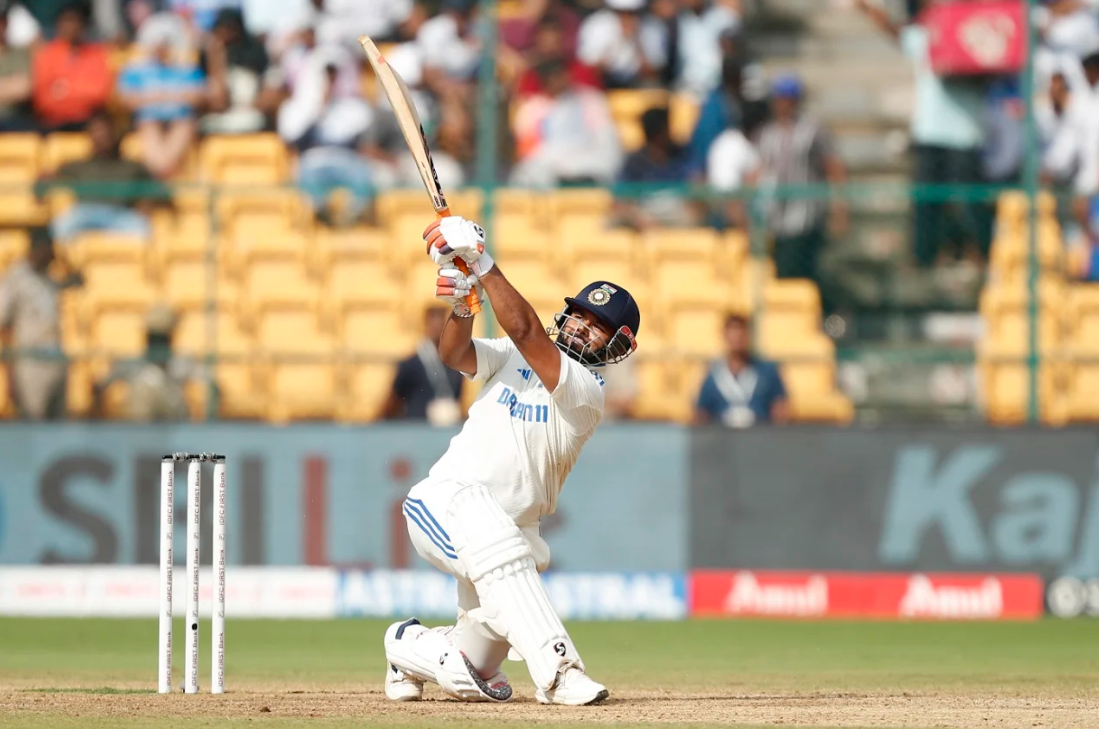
{"x": 472, "y": 301}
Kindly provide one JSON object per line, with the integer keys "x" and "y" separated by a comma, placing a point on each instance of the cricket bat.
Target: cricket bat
{"x": 400, "y": 99}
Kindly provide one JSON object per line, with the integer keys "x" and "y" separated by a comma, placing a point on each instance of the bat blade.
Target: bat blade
{"x": 408, "y": 119}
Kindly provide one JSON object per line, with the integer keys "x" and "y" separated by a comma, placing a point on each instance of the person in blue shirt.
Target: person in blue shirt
{"x": 740, "y": 390}
{"x": 163, "y": 88}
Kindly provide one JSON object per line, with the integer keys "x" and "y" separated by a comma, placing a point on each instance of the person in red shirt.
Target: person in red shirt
{"x": 71, "y": 78}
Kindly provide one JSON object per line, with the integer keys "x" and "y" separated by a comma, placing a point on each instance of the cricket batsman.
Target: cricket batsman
{"x": 476, "y": 515}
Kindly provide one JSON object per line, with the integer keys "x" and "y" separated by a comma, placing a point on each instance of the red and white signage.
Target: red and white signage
{"x": 865, "y": 595}
{"x": 970, "y": 38}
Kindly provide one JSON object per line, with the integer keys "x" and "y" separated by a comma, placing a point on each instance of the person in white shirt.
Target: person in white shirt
{"x": 476, "y": 515}
{"x": 1076, "y": 146}
{"x": 625, "y": 46}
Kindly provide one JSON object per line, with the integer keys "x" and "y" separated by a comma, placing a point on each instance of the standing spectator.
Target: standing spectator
{"x": 566, "y": 135}
{"x": 15, "y": 80}
{"x": 729, "y": 106}
{"x": 1069, "y": 31}
{"x": 30, "y": 324}
{"x": 327, "y": 128}
{"x": 113, "y": 194}
{"x": 795, "y": 150}
{"x": 243, "y": 93}
{"x": 449, "y": 46}
{"x": 626, "y": 47}
{"x": 71, "y": 78}
{"x": 659, "y": 161}
{"x": 948, "y": 136}
{"x": 699, "y": 26}
{"x": 732, "y": 164}
{"x": 1076, "y": 145}
{"x": 425, "y": 388}
{"x": 156, "y": 383}
{"x": 740, "y": 390}
{"x": 164, "y": 89}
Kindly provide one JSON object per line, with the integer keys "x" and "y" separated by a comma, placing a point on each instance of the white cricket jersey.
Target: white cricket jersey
{"x": 519, "y": 440}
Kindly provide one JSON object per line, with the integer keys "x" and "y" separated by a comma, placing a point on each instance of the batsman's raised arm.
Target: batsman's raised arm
{"x": 456, "y": 237}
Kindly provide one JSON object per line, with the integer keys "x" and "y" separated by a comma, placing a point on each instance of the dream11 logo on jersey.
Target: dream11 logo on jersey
{"x": 521, "y": 410}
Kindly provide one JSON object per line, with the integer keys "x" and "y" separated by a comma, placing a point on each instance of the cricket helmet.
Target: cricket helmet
{"x": 611, "y": 305}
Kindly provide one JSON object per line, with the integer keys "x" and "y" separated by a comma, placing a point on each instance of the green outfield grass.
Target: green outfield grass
{"x": 101, "y": 673}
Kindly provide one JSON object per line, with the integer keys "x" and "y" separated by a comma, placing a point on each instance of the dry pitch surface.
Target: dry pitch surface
{"x": 92, "y": 673}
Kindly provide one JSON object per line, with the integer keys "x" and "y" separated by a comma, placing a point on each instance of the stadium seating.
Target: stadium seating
{"x": 252, "y": 159}
{"x": 19, "y": 170}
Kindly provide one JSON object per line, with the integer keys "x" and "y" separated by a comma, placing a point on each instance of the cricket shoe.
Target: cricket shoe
{"x": 573, "y": 688}
{"x": 399, "y": 686}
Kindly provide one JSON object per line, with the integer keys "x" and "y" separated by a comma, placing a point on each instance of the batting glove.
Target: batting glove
{"x": 452, "y": 286}
{"x": 456, "y": 237}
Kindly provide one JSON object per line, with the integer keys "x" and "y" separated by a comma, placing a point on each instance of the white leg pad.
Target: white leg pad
{"x": 514, "y": 602}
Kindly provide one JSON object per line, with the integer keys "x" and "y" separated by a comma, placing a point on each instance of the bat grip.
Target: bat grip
{"x": 472, "y": 301}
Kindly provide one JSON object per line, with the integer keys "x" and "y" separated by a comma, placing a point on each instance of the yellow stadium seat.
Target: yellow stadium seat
{"x": 379, "y": 331}
{"x": 534, "y": 279}
{"x": 414, "y": 202}
{"x": 694, "y": 329}
{"x": 334, "y": 246}
{"x": 701, "y": 244}
{"x": 189, "y": 233}
{"x": 132, "y": 148}
{"x": 241, "y": 389}
{"x": 792, "y": 294}
{"x": 522, "y": 236}
{"x": 583, "y": 272}
{"x": 115, "y": 284}
{"x": 187, "y": 285}
{"x": 825, "y": 407}
{"x": 244, "y": 245}
{"x": 667, "y": 390}
{"x": 1011, "y": 249}
{"x": 19, "y": 170}
{"x": 302, "y": 391}
{"x": 689, "y": 280}
{"x": 627, "y": 106}
{"x": 244, "y": 159}
{"x": 1005, "y": 391}
{"x": 199, "y": 332}
{"x": 683, "y": 113}
{"x": 292, "y": 330}
{"x": 1082, "y": 318}
{"x": 7, "y": 408}
{"x": 588, "y": 202}
{"x": 61, "y": 147}
{"x": 118, "y": 332}
{"x": 13, "y": 246}
{"x": 78, "y": 394}
{"x": 271, "y": 284}
{"x": 791, "y": 332}
{"x": 353, "y": 282}
{"x": 580, "y": 239}
{"x": 1012, "y": 208}
{"x": 290, "y": 207}
{"x": 368, "y": 385}
{"x": 511, "y": 201}
{"x": 93, "y": 247}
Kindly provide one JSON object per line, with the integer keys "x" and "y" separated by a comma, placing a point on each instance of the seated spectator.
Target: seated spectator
{"x": 164, "y": 88}
{"x": 243, "y": 92}
{"x": 740, "y": 390}
{"x": 566, "y": 135}
{"x": 519, "y": 33}
{"x": 794, "y": 149}
{"x": 1076, "y": 145}
{"x": 699, "y": 26}
{"x": 732, "y": 164}
{"x": 328, "y": 127}
{"x": 200, "y": 14}
{"x": 626, "y": 47}
{"x": 71, "y": 78}
{"x": 113, "y": 194}
{"x": 660, "y": 161}
{"x": 341, "y": 22}
{"x": 305, "y": 59}
{"x": 15, "y": 81}
{"x": 549, "y": 39}
{"x": 425, "y": 388}
{"x": 450, "y": 47}
{"x": 30, "y": 329}
{"x": 156, "y": 383}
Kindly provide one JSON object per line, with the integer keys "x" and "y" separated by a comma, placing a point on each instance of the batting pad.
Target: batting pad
{"x": 514, "y": 602}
